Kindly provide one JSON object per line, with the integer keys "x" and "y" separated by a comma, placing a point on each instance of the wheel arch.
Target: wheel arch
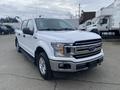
{"x": 48, "y": 75}
{"x": 39, "y": 50}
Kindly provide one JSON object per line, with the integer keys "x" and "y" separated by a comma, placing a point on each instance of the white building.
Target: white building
{"x": 117, "y": 3}
{"x": 109, "y": 9}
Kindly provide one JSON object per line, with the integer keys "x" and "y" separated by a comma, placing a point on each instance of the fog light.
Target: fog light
{"x": 64, "y": 66}
{"x": 61, "y": 65}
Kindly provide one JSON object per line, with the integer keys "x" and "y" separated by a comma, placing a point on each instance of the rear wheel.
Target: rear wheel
{"x": 44, "y": 66}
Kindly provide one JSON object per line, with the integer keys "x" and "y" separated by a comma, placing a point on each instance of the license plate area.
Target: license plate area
{"x": 92, "y": 64}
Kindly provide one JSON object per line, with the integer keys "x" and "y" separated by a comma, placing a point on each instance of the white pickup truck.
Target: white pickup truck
{"x": 56, "y": 46}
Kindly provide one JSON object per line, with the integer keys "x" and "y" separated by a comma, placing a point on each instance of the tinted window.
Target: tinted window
{"x": 30, "y": 25}
{"x": 24, "y": 24}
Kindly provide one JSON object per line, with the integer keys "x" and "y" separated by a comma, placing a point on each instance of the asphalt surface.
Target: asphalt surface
{"x": 18, "y": 73}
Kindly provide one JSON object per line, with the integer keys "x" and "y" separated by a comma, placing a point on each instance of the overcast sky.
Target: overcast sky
{"x": 48, "y": 7}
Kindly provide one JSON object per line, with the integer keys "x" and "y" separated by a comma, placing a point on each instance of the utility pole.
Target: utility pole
{"x": 79, "y": 10}
{"x": 79, "y": 13}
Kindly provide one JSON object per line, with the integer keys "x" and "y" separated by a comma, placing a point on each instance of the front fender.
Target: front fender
{"x": 46, "y": 47}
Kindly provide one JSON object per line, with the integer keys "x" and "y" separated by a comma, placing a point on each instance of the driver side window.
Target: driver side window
{"x": 104, "y": 21}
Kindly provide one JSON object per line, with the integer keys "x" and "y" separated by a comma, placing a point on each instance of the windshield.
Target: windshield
{"x": 52, "y": 24}
{"x": 95, "y": 20}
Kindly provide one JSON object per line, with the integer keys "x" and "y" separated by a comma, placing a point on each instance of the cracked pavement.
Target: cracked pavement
{"x": 18, "y": 73}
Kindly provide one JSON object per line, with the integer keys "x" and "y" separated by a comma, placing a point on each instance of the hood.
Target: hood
{"x": 67, "y": 36}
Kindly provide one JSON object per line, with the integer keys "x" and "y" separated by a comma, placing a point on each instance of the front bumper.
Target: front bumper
{"x": 69, "y": 66}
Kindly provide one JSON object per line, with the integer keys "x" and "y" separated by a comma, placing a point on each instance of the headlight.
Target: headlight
{"x": 59, "y": 49}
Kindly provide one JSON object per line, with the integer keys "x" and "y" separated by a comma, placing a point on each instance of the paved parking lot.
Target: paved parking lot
{"x": 18, "y": 73}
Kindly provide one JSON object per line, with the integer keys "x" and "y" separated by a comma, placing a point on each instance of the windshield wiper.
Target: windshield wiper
{"x": 67, "y": 29}
{"x": 59, "y": 29}
{"x": 48, "y": 29}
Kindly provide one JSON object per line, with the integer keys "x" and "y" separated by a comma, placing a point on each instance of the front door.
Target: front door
{"x": 21, "y": 35}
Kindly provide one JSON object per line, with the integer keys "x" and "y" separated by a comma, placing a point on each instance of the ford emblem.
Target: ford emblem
{"x": 92, "y": 48}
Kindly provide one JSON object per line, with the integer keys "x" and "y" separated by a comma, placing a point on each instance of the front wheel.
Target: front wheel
{"x": 44, "y": 66}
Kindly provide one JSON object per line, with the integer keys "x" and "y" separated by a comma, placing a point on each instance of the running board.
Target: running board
{"x": 28, "y": 56}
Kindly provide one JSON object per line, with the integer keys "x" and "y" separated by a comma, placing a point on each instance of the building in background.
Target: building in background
{"x": 109, "y": 10}
{"x": 87, "y": 16}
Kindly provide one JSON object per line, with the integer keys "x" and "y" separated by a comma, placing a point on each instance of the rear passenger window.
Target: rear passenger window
{"x": 24, "y": 24}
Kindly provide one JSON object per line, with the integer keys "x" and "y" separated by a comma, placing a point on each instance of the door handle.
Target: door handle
{"x": 23, "y": 35}
{"x": 34, "y": 37}
{"x": 19, "y": 34}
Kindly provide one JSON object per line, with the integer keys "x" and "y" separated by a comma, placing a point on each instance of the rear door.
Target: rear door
{"x": 21, "y": 35}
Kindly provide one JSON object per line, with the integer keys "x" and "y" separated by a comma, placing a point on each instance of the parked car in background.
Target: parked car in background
{"x": 4, "y": 30}
{"x": 86, "y": 27}
{"x": 83, "y": 26}
{"x": 10, "y": 29}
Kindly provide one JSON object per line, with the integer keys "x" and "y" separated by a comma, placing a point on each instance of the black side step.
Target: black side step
{"x": 28, "y": 56}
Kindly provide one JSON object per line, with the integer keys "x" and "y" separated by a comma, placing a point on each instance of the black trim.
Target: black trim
{"x": 27, "y": 55}
{"x": 91, "y": 64}
{"x": 87, "y": 42}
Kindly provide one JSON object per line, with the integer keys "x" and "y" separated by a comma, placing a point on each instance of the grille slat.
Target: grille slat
{"x": 87, "y": 42}
{"x": 86, "y": 55}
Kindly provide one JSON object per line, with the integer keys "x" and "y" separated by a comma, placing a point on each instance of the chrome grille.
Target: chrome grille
{"x": 87, "y": 48}
{"x": 86, "y": 55}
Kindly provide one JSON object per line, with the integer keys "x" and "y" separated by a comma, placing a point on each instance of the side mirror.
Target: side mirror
{"x": 27, "y": 31}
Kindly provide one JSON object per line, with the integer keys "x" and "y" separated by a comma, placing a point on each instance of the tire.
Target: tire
{"x": 17, "y": 46}
{"x": 95, "y": 31}
{"x": 44, "y": 66}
